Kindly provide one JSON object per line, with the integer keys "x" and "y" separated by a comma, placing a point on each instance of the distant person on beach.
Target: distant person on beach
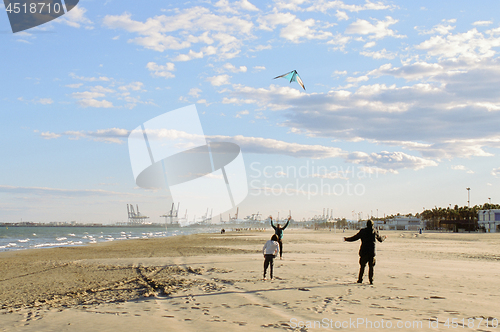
{"x": 270, "y": 251}
{"x": 278, "y": 230}
{"x": 368, "y": 236}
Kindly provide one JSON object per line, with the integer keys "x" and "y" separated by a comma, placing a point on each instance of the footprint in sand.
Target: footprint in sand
{"x": 241, "y": 323}
{"x": 283, "y": 325}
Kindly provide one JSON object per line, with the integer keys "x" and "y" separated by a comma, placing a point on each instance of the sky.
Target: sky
{"x": 401, "y": 110}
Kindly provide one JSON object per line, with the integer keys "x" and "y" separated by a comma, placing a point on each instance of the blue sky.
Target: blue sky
{"x": 401, "y": 110}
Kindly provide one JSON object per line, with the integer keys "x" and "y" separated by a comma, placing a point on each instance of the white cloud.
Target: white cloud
{"x": 134, "y": 86}
{"x": 44, "y": 191}
{"x": 225, "y": 6}
{"x": 272, "y": 146}
{"x": 74, "y": 86}
{"x": 247, "y": 5}
{"x": 230, "y": 67}
{"x": 94, "y": 96}
{"x": 496, "y": 172}
{"x": 219, "y": 80}
{"x": 293, "y": 5}
{"x": 471, "y": 45}
{"x": 95, "y": 103}
{"x": 203, "y": 101}
{"x": 44, "y": 101}
{"x": 49, "y": 135}
{"x": 382, "y": 54}
{"x": 237, "y": 101}
{"x": 299, "y": 29}
{"x": 324, "y": 6}
{"x": 76, "y": 18}
{"x": 459, "y": 167}
{"x": 331, "y": 175}
{"x": 259, "y": 68}
{"x": 378, "y": 30}
{"x": 441, "y": 29}
{"x": 87, "y": 95}
{"x": 234, "y": 7}
{"x": 462, "y": 168}
{"x": 358, "y": 79}
{"x": 411, "y": 71}
{"x": 88, "y": 98}
{"x": 111, "y": 135}
{"x": 239, "y": 114}
{"x": 90, "y": 79}
{"x": 190, "y": 56}
{"x": 194, "y": 92}
{"x": 389, "y": 161}
{"x": 339, "y": 72}
{"x": 101, "y": 89}
{"x": 295, "y": 29}
{"x": 262, "y": 47}
{"x": 184, "y": 29}
{"x": 369, "y": 44}
{"x": 339, "y": 41}
{"x": 341, "y": 16}
{"x": 482, "y": 23}
{"x": 161, "y": 70}
{"x": 455, "y": 116}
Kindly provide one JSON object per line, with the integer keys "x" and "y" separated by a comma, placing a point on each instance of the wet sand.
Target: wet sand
{"x": 213, "y": 282}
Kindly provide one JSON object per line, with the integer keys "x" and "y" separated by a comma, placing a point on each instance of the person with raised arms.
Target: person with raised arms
{"x": 368, "y": 236}
{"x": 278, "y": 230}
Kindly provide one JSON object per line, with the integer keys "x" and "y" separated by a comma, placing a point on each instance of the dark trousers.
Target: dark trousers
{"x": 268, "y": 261}
{"x": 280, "y": 242}
{"x": 362, "y": 263}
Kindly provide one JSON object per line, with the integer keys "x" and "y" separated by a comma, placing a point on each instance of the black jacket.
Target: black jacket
{"x": 279, "y": 231}
{"x": 368, "y": 237}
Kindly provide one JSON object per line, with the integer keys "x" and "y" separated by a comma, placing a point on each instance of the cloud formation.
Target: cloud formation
{"x": 386, "y": 161}
{"x": 44, "y": 191}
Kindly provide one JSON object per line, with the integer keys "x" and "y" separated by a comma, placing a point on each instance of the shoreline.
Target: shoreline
{"x": 43, "y": 240}
{"x": 214, "y": 281}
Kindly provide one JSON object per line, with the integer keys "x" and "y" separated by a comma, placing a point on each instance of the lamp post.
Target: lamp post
{"x": 468, "y": 204}
{"x": 468, "y": 196}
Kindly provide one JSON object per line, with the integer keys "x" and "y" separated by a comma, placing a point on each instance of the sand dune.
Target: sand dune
{"x": 213, "y": 282}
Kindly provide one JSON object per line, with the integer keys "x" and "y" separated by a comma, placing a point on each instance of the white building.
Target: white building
{"x": 489, "y": 219}
{"x": 401, "y": 223}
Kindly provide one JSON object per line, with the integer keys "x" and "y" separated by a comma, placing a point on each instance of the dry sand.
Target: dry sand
{"x": 213, "y": 282}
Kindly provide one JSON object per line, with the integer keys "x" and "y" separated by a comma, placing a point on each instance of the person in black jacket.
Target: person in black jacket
{"x": 367, "y": 253}
{"x": 278, "y": 230}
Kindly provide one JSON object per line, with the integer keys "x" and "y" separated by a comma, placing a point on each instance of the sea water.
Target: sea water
{"x": 19, "y": 238}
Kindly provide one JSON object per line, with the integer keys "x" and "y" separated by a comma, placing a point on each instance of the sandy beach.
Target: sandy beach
{"x": 213, "y": 282}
